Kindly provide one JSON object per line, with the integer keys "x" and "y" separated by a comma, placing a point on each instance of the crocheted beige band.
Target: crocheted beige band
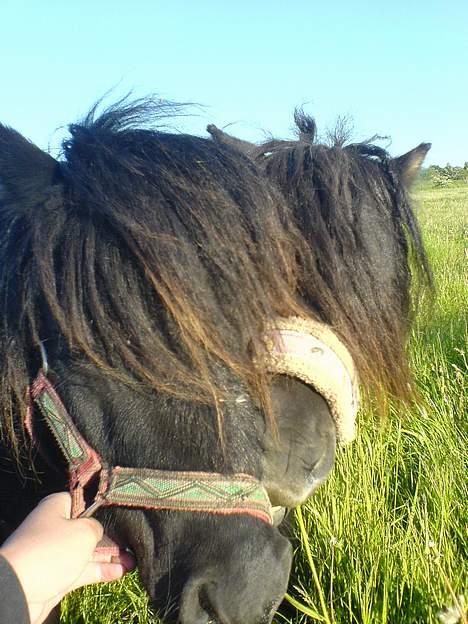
{"x": 310, "y": 351}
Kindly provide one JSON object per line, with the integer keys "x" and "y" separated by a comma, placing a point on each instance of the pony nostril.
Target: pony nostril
{"x": 207, "y": 606}
{"x": 195, "y": 606}
{"x": 326, "y": 459}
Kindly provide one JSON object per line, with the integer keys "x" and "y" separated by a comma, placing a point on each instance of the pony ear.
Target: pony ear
{"x": 223, "y": 138}
{"x": 26, "y": 172}
{"x": 410, "y": 163}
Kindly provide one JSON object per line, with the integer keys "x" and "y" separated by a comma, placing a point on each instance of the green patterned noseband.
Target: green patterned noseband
{"x": 137, "y": 487}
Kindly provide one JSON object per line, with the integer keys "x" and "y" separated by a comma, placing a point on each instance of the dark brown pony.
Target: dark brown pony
{"x": 148, "y": 264}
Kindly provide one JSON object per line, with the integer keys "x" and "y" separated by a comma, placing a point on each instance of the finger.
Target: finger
{"x": 99, "y": 573}
{"x": 123, "y": 557}
{"x": 112, "y": 571}
{"x": 102, "y": 556}
{"x": 106, "y": 549}
{"x": 126, "y": 559}
{"x": 93, "y": 526}
{"x": 58, "y": 503}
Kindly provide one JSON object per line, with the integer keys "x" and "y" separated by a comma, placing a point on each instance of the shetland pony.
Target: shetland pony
{"x": 141, "y": 269}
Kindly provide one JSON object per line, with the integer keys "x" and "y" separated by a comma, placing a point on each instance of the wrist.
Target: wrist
{"x": 38, "y": 611}
{"x": 9, "y": 554}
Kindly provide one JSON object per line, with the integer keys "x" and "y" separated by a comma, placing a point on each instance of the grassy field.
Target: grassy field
{"x": 385, "y": 540}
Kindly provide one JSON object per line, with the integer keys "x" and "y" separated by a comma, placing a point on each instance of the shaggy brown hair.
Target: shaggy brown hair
{"x": 366, "y": 264}
{"x": 155, "y": 256}
{"x": 158, "y": 256}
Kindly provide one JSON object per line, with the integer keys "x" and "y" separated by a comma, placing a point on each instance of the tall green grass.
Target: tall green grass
{"x": 385, "y": 539}
{"x": 388, "y": 532}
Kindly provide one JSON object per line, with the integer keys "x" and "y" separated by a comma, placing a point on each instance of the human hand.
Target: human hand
{"x": 52, "y": 555}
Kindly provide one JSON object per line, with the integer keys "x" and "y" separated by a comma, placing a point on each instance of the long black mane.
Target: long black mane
{"x": 153, "y": 255}
{"x": 366, "y": 267}
{"x": 367, "y": 263}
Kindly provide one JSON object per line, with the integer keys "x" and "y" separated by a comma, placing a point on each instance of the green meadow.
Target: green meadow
{"x": 385, "y": 539}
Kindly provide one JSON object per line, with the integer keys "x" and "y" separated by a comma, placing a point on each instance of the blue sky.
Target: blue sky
{"x": 398, "y": 68}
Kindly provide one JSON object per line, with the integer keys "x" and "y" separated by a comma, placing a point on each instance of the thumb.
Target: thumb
{"x": 99, "y": 573}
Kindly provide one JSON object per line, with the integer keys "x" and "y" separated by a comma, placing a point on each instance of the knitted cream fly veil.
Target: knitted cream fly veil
{"x": 310, "y": 351}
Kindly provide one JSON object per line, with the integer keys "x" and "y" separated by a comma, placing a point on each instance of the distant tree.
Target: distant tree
{"x": 444, "y": 176}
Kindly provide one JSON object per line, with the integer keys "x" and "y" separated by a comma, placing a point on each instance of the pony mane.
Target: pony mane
{"x": 349, "y": 201}
{"x": 155, "y": 256}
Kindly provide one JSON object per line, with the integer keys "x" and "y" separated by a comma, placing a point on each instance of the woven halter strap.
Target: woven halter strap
{"x": 136, "y": 487}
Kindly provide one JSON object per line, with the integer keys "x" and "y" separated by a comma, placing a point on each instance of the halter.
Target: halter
{"x": 302, "y": 348}
{"x": 139, "y": 487}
